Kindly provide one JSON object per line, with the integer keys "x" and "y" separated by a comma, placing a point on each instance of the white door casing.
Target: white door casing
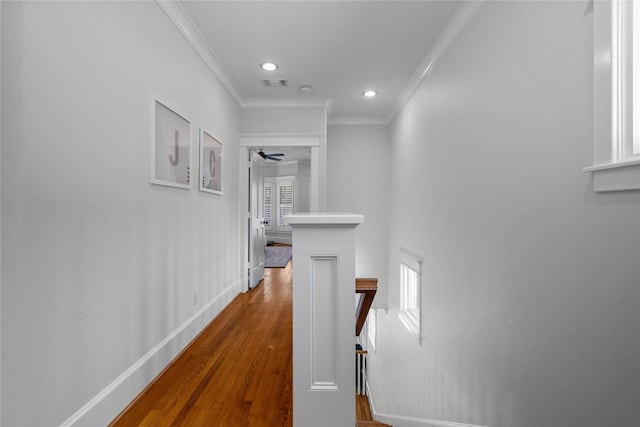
{"x": 248, "y": 142}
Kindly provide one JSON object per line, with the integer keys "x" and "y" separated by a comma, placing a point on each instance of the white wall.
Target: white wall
{"x": 98, "y": 265}
{"x": 301, "y": 170}
{"x": 358, "y": 182}
{"x": 288, "y": 120}
{"x": 303, "y": 185}
{"x": 276, "y": 169}
{"x": 0, "y": 222}
{"x": 531, "y": 285}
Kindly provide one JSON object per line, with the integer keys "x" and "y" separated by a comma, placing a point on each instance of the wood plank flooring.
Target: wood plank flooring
{"x": 363, "y": 410}
{"x": 237, "y": 372}
{"x": 363, "y": 414}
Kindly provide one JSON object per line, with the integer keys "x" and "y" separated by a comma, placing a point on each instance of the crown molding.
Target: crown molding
{"x": 176, "y": 13}
{"x": 458, "y": 22}
{"x": 286, "y": 102}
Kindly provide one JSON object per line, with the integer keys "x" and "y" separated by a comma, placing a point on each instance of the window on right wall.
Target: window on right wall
{"x": 616, "y": 96}
{"x": 410, "y": 310}
{"x": 372, "y": 327}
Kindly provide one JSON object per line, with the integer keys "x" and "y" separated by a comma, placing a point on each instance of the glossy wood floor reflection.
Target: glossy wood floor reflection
{"x": 238, "y": 372}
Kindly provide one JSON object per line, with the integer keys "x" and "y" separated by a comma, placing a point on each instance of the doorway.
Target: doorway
{"x": 252, "y": 192}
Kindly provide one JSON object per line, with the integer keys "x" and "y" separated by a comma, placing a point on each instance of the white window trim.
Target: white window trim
{"x": 614, "y": 168}
{"x": 414, "y": 262}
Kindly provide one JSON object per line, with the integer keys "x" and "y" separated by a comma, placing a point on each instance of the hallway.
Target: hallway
{"x": 237, "y": 372}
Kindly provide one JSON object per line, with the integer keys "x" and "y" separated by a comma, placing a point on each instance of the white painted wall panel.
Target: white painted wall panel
{"x": 531, "y": 281}
{"x": 98, "y": 265}
{"x": 358, "y": 181}
{"x": 324, "y": 312}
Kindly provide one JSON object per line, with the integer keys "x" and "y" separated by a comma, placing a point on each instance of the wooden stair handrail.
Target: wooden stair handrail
{"x": 368, "y": 287}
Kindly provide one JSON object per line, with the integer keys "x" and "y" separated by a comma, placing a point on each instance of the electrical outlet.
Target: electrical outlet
{"x": 195, "y": 298}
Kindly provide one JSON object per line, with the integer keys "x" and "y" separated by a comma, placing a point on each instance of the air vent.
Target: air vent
{"x": 275, "y": 82}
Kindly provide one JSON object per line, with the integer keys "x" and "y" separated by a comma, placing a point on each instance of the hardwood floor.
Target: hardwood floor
{"x": 237, "y": 372}
{"x": 363, "y": 414}
{"x": 363, "y": 411}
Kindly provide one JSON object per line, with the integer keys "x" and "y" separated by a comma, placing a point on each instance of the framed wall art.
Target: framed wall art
{"x": 171, "y": 151}
{"x": 210, "y": 163}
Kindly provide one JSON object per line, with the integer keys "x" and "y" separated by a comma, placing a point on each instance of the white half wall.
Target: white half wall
{"x": 100, "y": 267}
{"x": 531, "y": 281}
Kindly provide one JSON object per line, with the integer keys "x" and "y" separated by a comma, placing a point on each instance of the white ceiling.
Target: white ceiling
{"x": 340, "y": 48}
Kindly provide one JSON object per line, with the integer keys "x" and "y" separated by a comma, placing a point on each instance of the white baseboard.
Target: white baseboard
{"x": 107, "y": 404}
{"x": 402, "y": 421}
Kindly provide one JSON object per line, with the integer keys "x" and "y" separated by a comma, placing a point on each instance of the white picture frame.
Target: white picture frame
{"x": 210, "y": 163}
{"x": 171, "y": 147}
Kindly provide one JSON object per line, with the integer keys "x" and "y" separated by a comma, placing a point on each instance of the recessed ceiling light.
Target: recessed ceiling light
{"x": 370, "y": 93}
{"x": 269, "y": 66}
{"x": 305, "y": 88}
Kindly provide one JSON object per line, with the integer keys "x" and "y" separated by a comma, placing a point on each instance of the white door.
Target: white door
{"x": 257, "y": 240}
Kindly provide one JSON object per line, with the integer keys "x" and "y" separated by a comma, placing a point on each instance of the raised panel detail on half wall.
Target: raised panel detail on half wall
{"x": 324, "y": 310}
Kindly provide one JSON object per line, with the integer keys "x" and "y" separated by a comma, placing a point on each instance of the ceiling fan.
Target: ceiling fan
{"x": 274, "y": 156}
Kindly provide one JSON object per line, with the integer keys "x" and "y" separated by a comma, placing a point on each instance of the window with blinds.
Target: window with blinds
{"x": 268, "y": 189}
{"x": 372, "y": 327}
{"x": 285, "y": 202}
{"x": 279, "y": 201}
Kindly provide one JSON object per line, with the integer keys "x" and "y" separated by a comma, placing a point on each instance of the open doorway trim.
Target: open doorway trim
{"x": 249, "y": 141}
